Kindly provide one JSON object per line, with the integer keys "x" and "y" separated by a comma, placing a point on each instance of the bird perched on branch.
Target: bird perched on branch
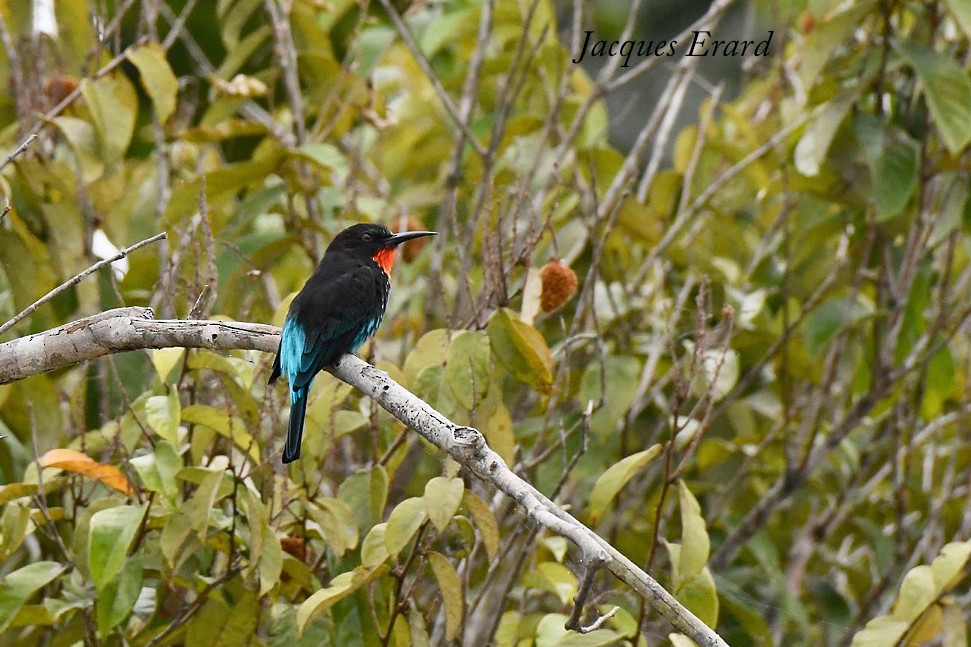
{"x": 335, "y": 312}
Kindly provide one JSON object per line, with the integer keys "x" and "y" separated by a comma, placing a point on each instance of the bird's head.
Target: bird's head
{"x": 365, "y": 240}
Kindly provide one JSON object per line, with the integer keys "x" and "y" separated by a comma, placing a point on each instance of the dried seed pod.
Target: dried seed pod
{"x": 59, "y": 86}
{"x": 411, "y": 249}
{"x": 295, "y": 546}
{"x": 807, "y": 22}
{"x": 559, "y": 285}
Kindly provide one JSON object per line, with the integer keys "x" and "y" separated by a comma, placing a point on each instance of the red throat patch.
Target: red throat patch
{"x": 385, "y": 259}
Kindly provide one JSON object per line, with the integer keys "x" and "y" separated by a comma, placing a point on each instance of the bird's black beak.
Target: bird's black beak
{"x": 405, "y": 236}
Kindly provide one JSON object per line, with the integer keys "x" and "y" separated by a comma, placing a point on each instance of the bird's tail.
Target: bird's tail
{"x": 298, "y": 409}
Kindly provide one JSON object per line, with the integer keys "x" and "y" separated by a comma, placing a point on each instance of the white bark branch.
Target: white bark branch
{"x": 128, "y": 329}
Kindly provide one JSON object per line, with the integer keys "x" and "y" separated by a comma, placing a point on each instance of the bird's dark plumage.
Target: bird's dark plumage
{"x": 335, "y": 312}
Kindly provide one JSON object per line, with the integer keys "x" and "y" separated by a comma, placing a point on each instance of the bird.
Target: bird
{"x": 338, "y": 309}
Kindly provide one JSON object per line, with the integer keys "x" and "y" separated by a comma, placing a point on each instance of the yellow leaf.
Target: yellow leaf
{"x": 403, "y": 523}
{"x": 485, "y": 521}
{"x": 73, "y": 461}
{"x": 452, "y": 593}
{"x": 442, "y": 499}
{"x": 338, "y": 589}
{"x": 616, "y": 477}
{"x": 521, "y": 349}
{"x": 156, "y": 76}
{"x": 694, "y": 536}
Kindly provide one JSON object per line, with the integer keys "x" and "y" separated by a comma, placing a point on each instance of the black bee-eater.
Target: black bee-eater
{"x": 335, "y": 312}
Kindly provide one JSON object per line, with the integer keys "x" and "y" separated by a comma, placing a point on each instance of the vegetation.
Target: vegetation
{"x": 738, "y": 351}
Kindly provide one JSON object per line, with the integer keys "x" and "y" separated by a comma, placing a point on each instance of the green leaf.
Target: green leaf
{"x": 347, "y": 422}
{"x": 83, "y": 140}
{"x": 157, "y": 470}
{"x": 431, "y": 350}
{"x": 940, "y": 383}
{"x": 499, "y": 433}
{"x": 110, "y": 535}
{"x": 265, "y": 550}
{"x": 550, "y": 632}
{"x": 419, "y": 633}
{"x": 175, "y": 533}
{"x": 326, "y": 156}
{"x": 880, "y": 632}
{"x": 832, "y": 33}
{"x": 924, "y": 584}
{"x": 199, "y": 506}
{"x": 403, "y": 523}
{"x": 613, "y": 383}
{"x": 220, "y": 421}
{"x": 699, "y": 594}
{"x": 616, "y": 477}
{"x": 917, "y": 592}
{"x": 13, "y": 491}
{"x": 113, "y": 104}
{"x": 521, "y": 349}
{"x": 947, "y": 89}
{"x": 828, "y": 320}
{"x": 165, "y": 359}
{"x": 75, "y": 34}
{"x": 223, "y": 622}
{"x": 157, "y": 78}
{"x": 337, "y": 523}
{"x": 680, "y": 640}
{"x": 234, "y": 366}
{"x": 921, "y": 589}
{"x": 223, "y": 184}
{"x": 374, "y": 551}
{"x": 453, "y": 597}
{"x": 694, "y": 537}
{"x": 553, "y": 577}
{"x": 338, "y": 589}
{"x": 18, "y": 586}
{"x": 442, "y": 499}
{"x": 816, "y": 138}
{"x": 450, "y": 27}
{"x": 485, "y": 521}
{"x": 162, "y": 413}
{"x": 117, "y": 599}
{"x": 896, "y": 177}
{"x": 467, "y": 367}
{"x": 893, "y": 158}
{"x": 33, "y": 615}
{"x": 366, "y": 493}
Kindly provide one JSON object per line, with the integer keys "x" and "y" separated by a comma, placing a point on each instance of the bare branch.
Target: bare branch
{"x": 77, "y": 279}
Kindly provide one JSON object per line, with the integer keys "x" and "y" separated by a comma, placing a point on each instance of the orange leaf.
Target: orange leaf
{"x": 72, "y": 461}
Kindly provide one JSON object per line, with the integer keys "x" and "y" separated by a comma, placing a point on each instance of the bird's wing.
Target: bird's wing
{"x": 325, "y": 319}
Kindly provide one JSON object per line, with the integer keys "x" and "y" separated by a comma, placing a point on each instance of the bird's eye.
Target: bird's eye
{"x": 366, "y": 237}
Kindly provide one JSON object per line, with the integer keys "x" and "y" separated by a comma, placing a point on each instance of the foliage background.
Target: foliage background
{"x": 759, "y": 393}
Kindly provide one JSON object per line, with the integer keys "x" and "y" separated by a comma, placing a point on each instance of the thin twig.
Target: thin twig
{"x": 213, "y": 279}
{"x": 20, "y": 150}
{"x": 175, "y": 30}
{"x": 426, "y": 67}
{"x": 77, "y": 279}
